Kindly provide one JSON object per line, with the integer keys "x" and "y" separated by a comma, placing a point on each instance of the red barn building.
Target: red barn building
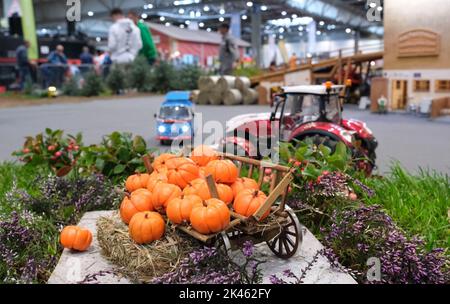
{"x": 189, "y": 45}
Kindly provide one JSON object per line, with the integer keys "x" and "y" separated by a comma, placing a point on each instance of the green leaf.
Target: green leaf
{"x": 302, "y": 153}
{"x": 123, "y": 154}
{"x": 119, "y": 169}
{"x": 100, "y": 164}
{"x": 116, "y": 139}
{"x": 326, "y": 151}
{"x": 311, "y": 171}
{"x": 139, "y": 145}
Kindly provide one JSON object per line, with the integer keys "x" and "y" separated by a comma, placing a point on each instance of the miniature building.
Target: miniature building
{"x": 417, "y": 52}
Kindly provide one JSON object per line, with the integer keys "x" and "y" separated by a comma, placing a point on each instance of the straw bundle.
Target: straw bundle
{"x": 203, "y": 98}
{"x": 226, "y": 83}
{"x": 216, "y": 96}
{"x": 250, "y": 96}
{"x": 206, "y": 83}
{"x": 141, "y": 263}
{"x": 194, "y": 96}
{"x": 232, "y": 97}
{"x": 242, "y": 83}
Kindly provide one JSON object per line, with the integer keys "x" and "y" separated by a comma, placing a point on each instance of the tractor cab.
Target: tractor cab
{"x": 299, "y": 105}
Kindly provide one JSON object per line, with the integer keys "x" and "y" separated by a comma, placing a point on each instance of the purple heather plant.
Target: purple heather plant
{"x": 211, "y": 266}
{"x": 25, "y": 255}
{"x": 356, "y": 234}
{"x": 66, "y": 199}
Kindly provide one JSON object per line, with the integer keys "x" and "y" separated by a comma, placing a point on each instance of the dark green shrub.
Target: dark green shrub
{"x": 162, "y": 77}
{"x": 118, "y": 156}
{"x": 187, "y": 78}
{"x": 71, "y": 87}
{"x": 139, "y": 75}
{"x": 116, "y": 80}
{"x": 93, "y": 85}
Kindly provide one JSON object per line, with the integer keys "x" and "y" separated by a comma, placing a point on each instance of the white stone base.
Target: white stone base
{"x": 73, "y": 267}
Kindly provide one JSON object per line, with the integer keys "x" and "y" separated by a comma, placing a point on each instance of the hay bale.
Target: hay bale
{"x": 263, "y": 95}
{"x": 141, "y": 263}
{"x": 232, "y": 97}
{"x": 226, "y": 83}
{"x": 205, "y": 83}
{"x": 216, "y": 96}
{"x": 250, "y": 96}
{"x": 203, "y": 98}
{"x": 242, "y": 83}
{"x": 194, "y": 96}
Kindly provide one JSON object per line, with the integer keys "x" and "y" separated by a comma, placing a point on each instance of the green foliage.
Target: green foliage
{"x": 249, "y": 71}
{"x": 140, "y": 75}
{"x": 51, "y": 148}
{"x": 162, "y": 77}
{"x": 116, "y": 80}
{"x": 119, "y": 155}
{"x": 311, "y": 161}
{"x": 418, "y": 203}
{"x": 93, "y": 85}
{"x": 187, "y": 78}
{"x": 71, "y": 87}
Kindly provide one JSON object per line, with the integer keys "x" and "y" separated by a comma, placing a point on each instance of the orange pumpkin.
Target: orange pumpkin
{"x": 76, "y": 238}
{"x": 202, "y": 172}
{"x": 202, "y": 155}
{"x": 248, "y": 201}
{"x": 163, "y": 194}
{"x": 212, "y": 217}
{"x": 179, "y": 209}
{"x": 155, "y": 179}
{"x": 139, "y": 201}
{"x": 242, "y": 184}
{"x": 181, "y": 171}
{"x": 159, "y": 164}
{"x": 223, "y": 171}
{"x": 146, "y": 227}
{"x": 200, "y": 187}
{"x": 137, "y": 181}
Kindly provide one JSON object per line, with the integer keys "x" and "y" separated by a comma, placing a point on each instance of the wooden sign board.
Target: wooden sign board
{"x": 419, "y": 43}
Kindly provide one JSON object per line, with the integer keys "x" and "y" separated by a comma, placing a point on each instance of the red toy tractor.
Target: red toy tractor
{"x": 302, "y": 112}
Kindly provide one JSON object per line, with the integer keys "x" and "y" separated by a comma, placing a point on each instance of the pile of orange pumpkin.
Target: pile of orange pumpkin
{"x": 178, "y": 189}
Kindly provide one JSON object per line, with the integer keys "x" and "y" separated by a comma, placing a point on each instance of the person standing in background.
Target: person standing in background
{"x": 86, "y": 56}
{"x": 148, "y": 46}
{"x": 293, "y": 61}
{"x": 228, "y": 52}
{"x": 124, "y": 40}
{"x": 24, "y": 64}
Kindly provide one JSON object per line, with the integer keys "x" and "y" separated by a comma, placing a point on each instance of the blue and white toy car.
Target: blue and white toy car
{"x": 175, "y": 118}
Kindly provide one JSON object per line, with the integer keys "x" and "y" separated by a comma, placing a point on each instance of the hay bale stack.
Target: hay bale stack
{"x": 232, "y": 97}
{"x": 250, "y": 97}
{"x": 141, "y": 263}
{"x": 216, "y": 96}
{"x": 194, "y": 96}
{"x": 203, "y": 98}
{"x": 226, "y": 83}
{"x": 206, "y": 83}
{"x": 242, "y": 83}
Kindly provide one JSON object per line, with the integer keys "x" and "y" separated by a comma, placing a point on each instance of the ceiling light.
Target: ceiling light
{"x": 283, "y": 13}
{"x": 222, "y": 11}
{"x": 348, "y": 30}
{"x": 208, "y": 29}
{"x": 244, "y": 17}
{"x": 263, "y": 8}
{"x": 206, "y": 8}
{"x": 144, "y": 16}
{"x": 181, "y": 11}
{"x": 201, "y": 24}
{"x": 221, "y": 19}
{"x": 162, "y": 18}
{"x": 249, "y": 4}
{"x": 90, "y": 13}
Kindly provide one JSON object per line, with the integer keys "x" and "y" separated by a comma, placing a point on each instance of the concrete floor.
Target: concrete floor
{"x": 414, "y": 141}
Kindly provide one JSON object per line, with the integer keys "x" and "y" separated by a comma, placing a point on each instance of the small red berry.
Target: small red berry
{"x": 26, "y": 151}
{"x": 352, "y": 196}
{"x": 51, "y": 148}
{"x": 58, "y": 154}
{"x": 268, "y": 171}
{"x": 325, "y": 173}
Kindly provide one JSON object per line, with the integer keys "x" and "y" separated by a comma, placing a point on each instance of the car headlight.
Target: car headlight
{"x": 185, "y": 128}
{"x": 161, "y": 129}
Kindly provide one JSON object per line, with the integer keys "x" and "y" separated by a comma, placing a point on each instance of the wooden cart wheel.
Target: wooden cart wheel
{"x": 222, "y": 243}
{"x": 287, "y": 242}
